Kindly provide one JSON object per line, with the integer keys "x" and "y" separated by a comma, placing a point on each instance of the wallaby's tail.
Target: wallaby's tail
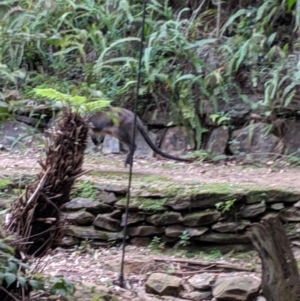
{"x": 154, "y": 147}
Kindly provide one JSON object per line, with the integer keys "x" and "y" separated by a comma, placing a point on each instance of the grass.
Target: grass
{"x": 4, "y": 183}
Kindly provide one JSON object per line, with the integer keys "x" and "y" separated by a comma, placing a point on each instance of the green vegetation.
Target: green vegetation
{"x": 184, "y": 238}
{"x": 16, "y": 276}
{"x": 195, "y": 57}
{"x": 225, "y": 206}
{"x": 5, "y": 183}
{"x": 156, "y": 244}
{"x": 85, "y": 189}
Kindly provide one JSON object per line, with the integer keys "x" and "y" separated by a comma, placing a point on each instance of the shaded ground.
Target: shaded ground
{"x": 265, "y": 175}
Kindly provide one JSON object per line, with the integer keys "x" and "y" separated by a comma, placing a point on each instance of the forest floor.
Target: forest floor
{"x": 100, "y": 267}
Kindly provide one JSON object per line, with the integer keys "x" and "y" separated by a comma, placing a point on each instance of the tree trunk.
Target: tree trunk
{"x": 280, "y": 276}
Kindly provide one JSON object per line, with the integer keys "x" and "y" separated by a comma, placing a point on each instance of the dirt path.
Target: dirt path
{"x": 230, "y": 173}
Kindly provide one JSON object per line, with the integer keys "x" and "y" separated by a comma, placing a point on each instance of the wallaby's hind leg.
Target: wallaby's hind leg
{"x": 129, "y": 156}
{"x": 125, "y": 137}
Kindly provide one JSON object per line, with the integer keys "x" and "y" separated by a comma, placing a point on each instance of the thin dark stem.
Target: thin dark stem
{"x": 121, "y": 276}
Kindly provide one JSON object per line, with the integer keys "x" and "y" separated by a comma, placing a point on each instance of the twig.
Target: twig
{"x": 206, "y": 263}
{"x": 218, "y": 18}
{"x": 197, "y": 272}
{"x": 9, "y": 294}
{"x": 39, "y": 187}
{"x": 194, "y": 15}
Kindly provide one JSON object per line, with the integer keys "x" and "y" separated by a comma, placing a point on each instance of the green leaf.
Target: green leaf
{"x": 297, "y": 15}
{"x": 9, "y": 278}
{"x": 37, "y": 285}
{"x": 233, "y": 17}
{"x": 214, "y": 117}
{"x": 22, "y": 280}
{"x": 272, "y": 38}
{"x": 13, "y": 267}
{"x": 112, "y": 45}
{"x": 290, "y": 4}
{"x": 200, "y": 43}
{"x": 147, "y": 55}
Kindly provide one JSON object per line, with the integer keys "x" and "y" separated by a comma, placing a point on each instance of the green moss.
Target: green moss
{"x": 84, "y": 189}
{"x": 4, "y": 183}
{"x": 146, "y": 204}
{"x": 271, "y": 195}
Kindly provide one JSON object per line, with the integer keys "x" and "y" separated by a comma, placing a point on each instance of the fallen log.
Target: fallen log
{"x": 280, "y": 276}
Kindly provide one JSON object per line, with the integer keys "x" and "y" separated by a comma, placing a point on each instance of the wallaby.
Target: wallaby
{"x": 118, "y": 122}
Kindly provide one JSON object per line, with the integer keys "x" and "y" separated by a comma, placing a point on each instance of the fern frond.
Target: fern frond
{"x": 81, "y": 103}
{"x": 53, "y": 94}
{"x": 97, "y": 105}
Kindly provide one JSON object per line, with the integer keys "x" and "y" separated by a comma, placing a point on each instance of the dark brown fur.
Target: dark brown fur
{"x": 118, "y": 122}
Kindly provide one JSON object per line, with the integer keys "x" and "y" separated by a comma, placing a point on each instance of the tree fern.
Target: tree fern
{"x": 79, "y": 103}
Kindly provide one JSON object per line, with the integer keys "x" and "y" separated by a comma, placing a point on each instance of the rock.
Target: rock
{"x": 141, "y": 241}
{"x": 167, "y": 298}
{"x": 92, "y": 233}
{"x": 133, "y": 205}
{"x": 112, "y": 188}
{"x": 143, "y": 150}
{"x": 133, "y": 218}
{"x": 260, "y": 298}
{"x": 99, "y": 244}
{"x": 168, "y": 239}
{"x": 223, "y": 238}
{"x": 28, "y": 120}
{"x": 179, "y": 204}
{"x": 87, "y": 204}
{"x": 142, "y": 206}
{"x": 203, "y": 199}
{"x": 116, "y": 214}
{"x": 177, "y": 230}
{"x": 107, "y": 197}
{"x": 291, "y": 138}
{"x": 290, "y": 214}
{"x": 147, "y": 194}
{"x": 297, "y": 205}
{"x": 201, "y": 218}
{"x": 153, "y": 116}
{"x": 105, "y": 221}
{"x": 111, "y": 145}
{"x": 12, "y": 95}
{"x": 167, "y": 218}
{"x": 175, "y": 141}
{"x": 277, "y": 206}
{"x": 202, "y": 281}
{"x": 237, "y": 289}
{"x": 197, "y": 295}
{"x": 79, "y": 217}
{"x": 237, "y": 109}
{"x": 272, "y": 196}
{"x": 160, "y": 133}
{"x": 15, "y": 135}
{"x": 163, "y": 284}
{"x": 253, "y": 210}
{"x": 144, "y": 231}
{"x": 217, "y": 141}
{"x": 69, "y": 241}
{"x": 269, "y": 215}
{"x": 227, "y": 227}
{"x": 132, "y": 265}
{"x": 260, "y": 143}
